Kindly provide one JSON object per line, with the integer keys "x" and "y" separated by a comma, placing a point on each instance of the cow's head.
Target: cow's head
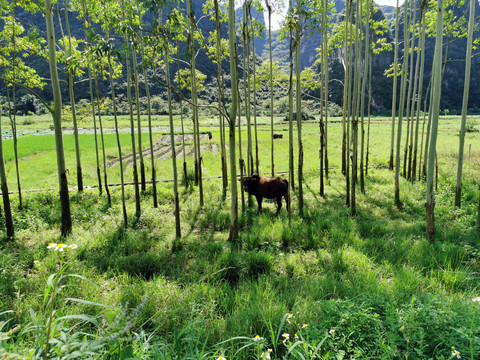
{"x": 250, "y": 182}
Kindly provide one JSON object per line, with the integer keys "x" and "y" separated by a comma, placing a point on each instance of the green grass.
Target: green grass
{"x": 372, "y": 278}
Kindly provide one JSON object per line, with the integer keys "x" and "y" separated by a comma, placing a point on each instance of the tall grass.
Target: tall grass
{"x": 366, "y": 287}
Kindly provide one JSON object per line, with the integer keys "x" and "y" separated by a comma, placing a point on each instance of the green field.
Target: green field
{"x": 367, "y": 287}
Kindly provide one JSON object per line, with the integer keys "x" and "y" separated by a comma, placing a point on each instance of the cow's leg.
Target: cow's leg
{"x": 259, "y": 202}
{"x": 279, "y": 204}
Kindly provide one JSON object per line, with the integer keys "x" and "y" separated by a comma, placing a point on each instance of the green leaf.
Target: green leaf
{"x": 81, "y": 301}
{"x": 83, "y": 317}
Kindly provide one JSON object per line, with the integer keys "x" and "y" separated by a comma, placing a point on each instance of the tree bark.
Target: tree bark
{"x": 57, "y": 123}
{"x": 233, "y": 236}
{"x": 178, "y": 232}
{"x": 436, "y": 90}
{"x": 6, "y": 198}
{"x": 394, "y": 98}
{"x": 114, "y": 102}
{"x": 109, "y": 200}
{"x": 299, "y": 109}
{"x": 401, "y": 108}
{"x": 419, "y": 96}
{"x": 71, "y": 82}
{"x": 466, "y": 89}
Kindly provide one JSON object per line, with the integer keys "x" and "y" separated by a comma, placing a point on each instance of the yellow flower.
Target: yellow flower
{"x": 257, "y": 338}
{"x": 52, "y": 246}
{"x": 332, "y": 331}
{"x": 455, "y": 353}
{"x": 304, "y": 326}
{"x": 60, "y": 247}
{"x": 289, "y": 317}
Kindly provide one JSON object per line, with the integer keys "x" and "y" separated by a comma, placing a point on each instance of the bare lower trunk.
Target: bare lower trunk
{"x": 233, "y": 236}
{"x": 322, "y": 142}
{"x": 430, "y": 212}
{"x": 57, "y": 123}
{"x": 394, "y": 99}
{"x": 478, "y": 213}
{"x": 124, "y": 208}
{"x": 466, "y": 89}
{"x": 103, "y": 143}
{"x": 6, "y": 198}
{"x": 435, "y": 110}
{"x": 299, "y": 114}
{"x": 132, "y": 135}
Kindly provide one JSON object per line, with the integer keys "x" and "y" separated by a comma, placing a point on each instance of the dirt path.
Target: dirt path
{"x": 162, "y": 149}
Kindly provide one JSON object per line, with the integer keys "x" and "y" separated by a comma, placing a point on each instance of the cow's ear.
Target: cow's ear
{"x": 256, "y": 176}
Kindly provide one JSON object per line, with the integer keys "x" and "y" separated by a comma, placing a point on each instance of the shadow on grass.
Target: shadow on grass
{"x": 136, "y": 253}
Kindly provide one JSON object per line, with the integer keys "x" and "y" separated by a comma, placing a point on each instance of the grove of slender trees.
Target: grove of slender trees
{"x": 131, "y": 40}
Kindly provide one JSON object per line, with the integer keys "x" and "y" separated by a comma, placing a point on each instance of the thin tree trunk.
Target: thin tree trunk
{"x": 412, "y": 111}
{"x": 185, "y": 172}
{"x": 356, "y": 105}
{"x": 394, "y": 98}
{"x": 362, "y": 94}
{"x": 401, "y": 107}
{"x": 299, "y": 110}
{"x": 57, "y": 123}
{"x": 114, "y": 102}
{"x": 6, "y": 198}
{"x": 349, "y": 102}
{"x": 419, "y": 96}
{"x": 322, "y": 142}
{"x": 198, "y": 159}
{"x": 13, "y": 123}
{"x": 109, "y": 200}
{"x": 478, "y": 212}
{"x": 436, "y": 90}
{"x": 429, "y": 125}
{"x": 132, "y": 132}
{"x": 71, "y": 82}
{"x": 92, "y": 99}
{"x": 139, "y": 120}
{"x": 466, "y": 89}
{"x": 325, "y": 84}
{"x": 221, "y": 100}
{"x": 150, "y": 138}
{"x": 13, "y": 118}
{"x": 271, "y": 83}
{"x": 421, "y": 151}
{"x": 254, "y": 88}
{"x": 178, "y": 233}
{"x": 233, "y": 236}
{"x": 291, "y": 176}
{"x": 246, "y": 89}
{"x": 408, "y": 144}
{"x": 241, "y": 161}
{"x": 367, "y": 156}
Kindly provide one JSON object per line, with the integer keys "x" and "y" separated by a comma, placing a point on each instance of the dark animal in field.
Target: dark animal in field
{"x": 267, "y": 187}
{"x": 278, "y": 136}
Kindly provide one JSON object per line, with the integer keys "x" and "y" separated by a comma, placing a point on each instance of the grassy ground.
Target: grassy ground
{"x": 367, "y": 287}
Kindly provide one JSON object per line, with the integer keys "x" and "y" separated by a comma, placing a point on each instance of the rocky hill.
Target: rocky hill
{"x": 453, "y": 78}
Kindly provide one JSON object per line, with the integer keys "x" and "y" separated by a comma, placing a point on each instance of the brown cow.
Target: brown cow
{"x": 267, "y": 187}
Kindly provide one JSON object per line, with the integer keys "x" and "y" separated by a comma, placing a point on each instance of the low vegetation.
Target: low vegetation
{"x": 326, "y": 285}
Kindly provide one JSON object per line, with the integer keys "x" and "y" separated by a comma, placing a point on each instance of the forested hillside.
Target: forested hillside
{"x": 454, "y": 50}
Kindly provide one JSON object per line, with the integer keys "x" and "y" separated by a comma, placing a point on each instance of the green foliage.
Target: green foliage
{"x": 364, "y": 286}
